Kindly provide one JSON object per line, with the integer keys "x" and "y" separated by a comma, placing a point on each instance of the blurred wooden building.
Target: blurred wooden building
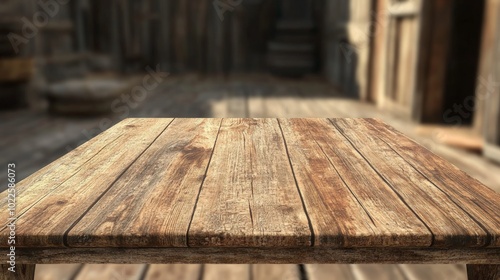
{"x": 433, "y": 61}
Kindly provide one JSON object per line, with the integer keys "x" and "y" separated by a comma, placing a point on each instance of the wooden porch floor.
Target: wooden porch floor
{"x": 249, "y": 272}
{"x": 32, "y": 139}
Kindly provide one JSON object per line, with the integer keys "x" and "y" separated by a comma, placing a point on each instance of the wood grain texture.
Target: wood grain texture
{"x": 477, "y": 200}
{"x": 483, "y": 272}
{"x": 256, "y": 183}
{"x": 152, "y": 203}
{"x": 22, "y": 272}
{"x": 449, "y": 224}
{"x": 46, "y": 222}
{"x": 384, "y": 219}
{"x": 249, "y": 197}
{"x": 259, "y": 255}
{"x": 174, "y": 271}
{"x": 49, "y": 178}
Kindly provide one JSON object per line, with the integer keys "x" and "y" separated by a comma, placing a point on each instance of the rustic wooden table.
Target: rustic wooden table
{"x": 253, "y": 191}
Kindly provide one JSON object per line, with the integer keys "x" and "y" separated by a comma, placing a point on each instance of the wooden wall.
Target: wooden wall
{"x": 396, "y": 54}
{"x": 181, "y": 35}
{"x": 409, "y": 55}
{"x": 488, "y": 96}
{"x": 346, "y": 43}
{"x": 425, "y": 57}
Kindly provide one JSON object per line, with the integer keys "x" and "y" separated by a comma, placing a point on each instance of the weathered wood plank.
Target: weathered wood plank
{"x": 112, "y": 271}
{"x": 152, "y": 203}
{"x": 275, "y": 272}
{"x": 480, "y": 202}
{"x": 338, "y": 219}
{"x": 174, "y": 271}
{"x": 249, "y": 197}
{"x": 259, "y": 255}
{"x": 45, "y": 223}
{"x": 22, "y": 272}
{"x": 390, "y": 222}
{"x": 449, "y": 224}
{"x": 226, "y": 271}
{"x": 483, "y": 272}
{"x": 57, "y": 271}
{"x": 49, "y": 178}
{"x": 487, "y": 62}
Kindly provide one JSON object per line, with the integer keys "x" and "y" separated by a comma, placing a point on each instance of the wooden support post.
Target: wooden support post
{"x": 483, "y": 271}
{"x": 491, "y": 96}
{"x": 22, "y": 272}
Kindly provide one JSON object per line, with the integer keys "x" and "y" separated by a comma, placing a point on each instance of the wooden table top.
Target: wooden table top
{"x": 254, "y": 183}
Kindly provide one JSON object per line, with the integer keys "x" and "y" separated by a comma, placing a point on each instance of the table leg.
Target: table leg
{"x": 22, "y": 272}
{"x": 483, "y": 271}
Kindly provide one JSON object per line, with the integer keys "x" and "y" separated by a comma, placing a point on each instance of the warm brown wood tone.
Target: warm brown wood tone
{"x": 448, "y": 223}
{"x": 46, "y": 222}
{"x": 343, "y": 195}
{"x": 249, "y": 197}
{"x": 254, "y": 191}
{"x": 260, "y": 255}
{"x": 44, "y": 181}
{"x": 151, "y": 204}
{"x": 478, "y": 201}
{"x": 22, "y": 272}
{"x": 483, "y": 272}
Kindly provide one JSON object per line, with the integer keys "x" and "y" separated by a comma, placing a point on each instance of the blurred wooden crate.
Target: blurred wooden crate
{"x": 13, "y": 70}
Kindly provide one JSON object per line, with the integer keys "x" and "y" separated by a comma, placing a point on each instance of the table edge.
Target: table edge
{"x": 258, "y": 255}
